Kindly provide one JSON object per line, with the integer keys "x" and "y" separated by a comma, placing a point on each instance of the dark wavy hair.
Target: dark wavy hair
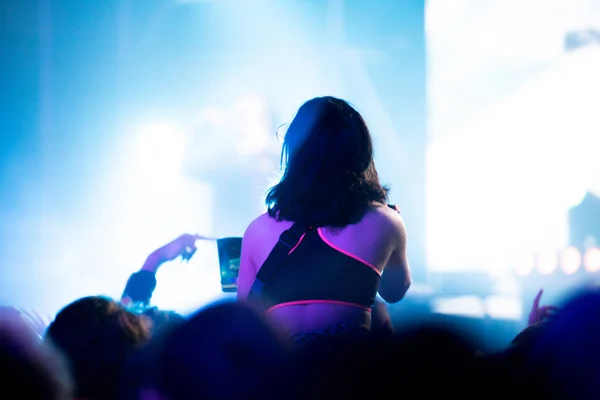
{"x": 97, "y": 335}
{"x": 329, "y": 176}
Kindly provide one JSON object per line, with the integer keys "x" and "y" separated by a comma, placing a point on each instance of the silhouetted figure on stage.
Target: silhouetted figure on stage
{"x": 235, "y": 153}
{"x": 584, "y": 221}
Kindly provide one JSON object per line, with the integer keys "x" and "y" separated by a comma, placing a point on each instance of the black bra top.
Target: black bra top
{"x": 318, "y": 272}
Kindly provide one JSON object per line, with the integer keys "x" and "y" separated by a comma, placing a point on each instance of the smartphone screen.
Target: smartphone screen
{"x": 229, "y": 262}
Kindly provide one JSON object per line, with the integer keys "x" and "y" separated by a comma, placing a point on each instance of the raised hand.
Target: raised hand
{"x": 539, "y": 314}
{"x": 184, "y": 245}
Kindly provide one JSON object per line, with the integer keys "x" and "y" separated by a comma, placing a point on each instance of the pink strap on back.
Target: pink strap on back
{"x": 333, "y": 246}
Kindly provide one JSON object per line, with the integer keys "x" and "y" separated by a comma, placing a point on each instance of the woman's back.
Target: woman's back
{"x": 368, "y": 247}
{"x": 356, "y": 247}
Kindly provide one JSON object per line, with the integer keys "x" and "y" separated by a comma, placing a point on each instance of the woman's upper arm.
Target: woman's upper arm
{"x": 247, "y": 273}
{"x": 396, "y": 277}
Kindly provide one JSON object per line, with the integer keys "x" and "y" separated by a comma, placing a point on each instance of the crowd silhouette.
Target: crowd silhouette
{"x": 316, "y": 325}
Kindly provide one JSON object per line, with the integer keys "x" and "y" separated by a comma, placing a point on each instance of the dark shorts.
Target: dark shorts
{"x": 342, "y": 332}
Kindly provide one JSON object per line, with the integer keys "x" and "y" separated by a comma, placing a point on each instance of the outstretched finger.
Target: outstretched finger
{"x": 202, "y": 237}
{"x": 536, "y": 301}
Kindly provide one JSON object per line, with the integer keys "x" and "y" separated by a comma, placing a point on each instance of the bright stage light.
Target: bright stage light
{"x": 253, "y": 122}
{"x": 211, "y": 116}
{"x": 501, "y": 307}
{"x": 548, "y": 113}
{"x": 159, "y": 151}
{"x": 464, "y": 306}
{"x": 591, "y": 259}
{"x": 524, "y": 264}
{"x": 570, "y": 260}
{"x": 547, "y": 262}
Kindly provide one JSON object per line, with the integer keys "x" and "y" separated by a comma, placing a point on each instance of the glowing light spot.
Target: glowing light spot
{"x": 570, "y": 260}
{"x": 524, "y": 264}
{"x": 591, "y": 259}
{"x": 547, "y": 262}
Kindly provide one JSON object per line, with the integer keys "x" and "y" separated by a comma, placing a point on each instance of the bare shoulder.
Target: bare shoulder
{"x": 388, "y": 219}
{"x": 265, "y": 226}
{"x": 257, "y": 226}
{"x": 260, "y": 237}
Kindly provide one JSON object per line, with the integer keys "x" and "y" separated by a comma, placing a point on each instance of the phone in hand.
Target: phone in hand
{"x": 229, "y": 250}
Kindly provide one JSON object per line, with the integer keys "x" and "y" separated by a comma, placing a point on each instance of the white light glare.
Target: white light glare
{"x": 159, "y": 151}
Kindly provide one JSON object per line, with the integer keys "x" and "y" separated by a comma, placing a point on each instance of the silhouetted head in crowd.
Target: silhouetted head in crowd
{"x": 522, "y": 344}
{"x": 142, "y": 370}
{"x": 566, "y": 357}
{"x": 424, "y": 362}
{"x": 329, "y": 176}
{"x": 224, "y": 351}
{"x": 97, "y": 335}
{"x": 163, "y": 321}
{"x": 29, "y": 368}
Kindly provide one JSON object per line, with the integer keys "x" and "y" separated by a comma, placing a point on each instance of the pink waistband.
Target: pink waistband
{"x": 308, "y": 302}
